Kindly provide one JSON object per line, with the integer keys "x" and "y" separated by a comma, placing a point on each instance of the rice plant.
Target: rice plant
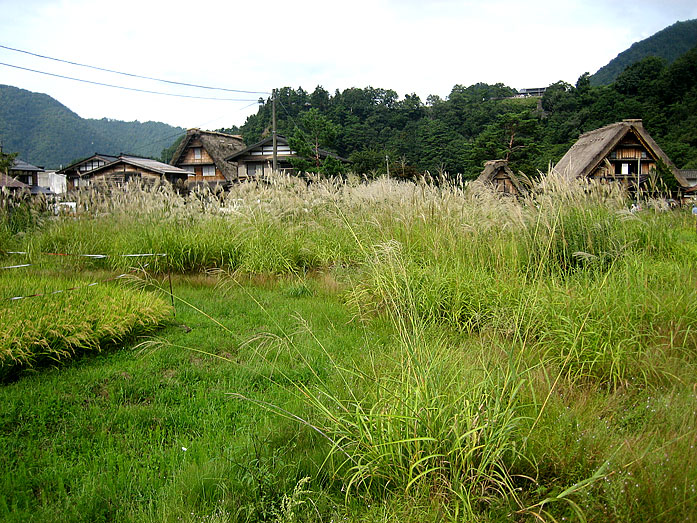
{"x": 63, "y": 323}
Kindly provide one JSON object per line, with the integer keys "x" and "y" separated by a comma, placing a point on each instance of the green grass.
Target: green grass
{"x": 101, "y": 438}
{"x": 419, "y": 352}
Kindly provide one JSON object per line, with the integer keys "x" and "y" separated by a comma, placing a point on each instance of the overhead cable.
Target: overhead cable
{"x": 128, "y": 88}
{"x": 132, "y": 75}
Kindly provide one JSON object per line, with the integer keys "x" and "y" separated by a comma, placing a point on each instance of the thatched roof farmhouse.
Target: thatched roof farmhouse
{"x": 203, "y": 154}
{"x": 620, "y": 152}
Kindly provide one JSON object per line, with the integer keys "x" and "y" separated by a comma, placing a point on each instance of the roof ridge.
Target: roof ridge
{"x": 218, "y": 133}
{"x": 605, "y": 128}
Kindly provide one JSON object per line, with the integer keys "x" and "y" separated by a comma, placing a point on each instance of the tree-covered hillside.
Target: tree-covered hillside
{"x": 669, "y": 43}
{"x": 45, "y": 132}
{"x": 374, "y": 127}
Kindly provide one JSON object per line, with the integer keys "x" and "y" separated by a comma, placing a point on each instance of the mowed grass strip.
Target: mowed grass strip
{"x": 154, "y": 435}
{"x": 55, "y": 327}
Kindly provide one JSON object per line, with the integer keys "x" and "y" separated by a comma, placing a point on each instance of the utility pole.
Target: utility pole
{"x": 273, "y": 125}
{"x": 638, "y": 178}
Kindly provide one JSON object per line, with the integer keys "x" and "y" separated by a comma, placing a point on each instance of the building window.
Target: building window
{"x": 209, "y": 170}
{"x": 625, "y": 168}
{"x": 190, "y": 169}
{"x": 197, "y": 153}
{"x": 255, "y": 169}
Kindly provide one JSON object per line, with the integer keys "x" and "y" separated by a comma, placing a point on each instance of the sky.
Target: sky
{"x": 410, "y": 46}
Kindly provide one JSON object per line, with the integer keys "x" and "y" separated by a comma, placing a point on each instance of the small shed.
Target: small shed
{"x": 500, "y": 175}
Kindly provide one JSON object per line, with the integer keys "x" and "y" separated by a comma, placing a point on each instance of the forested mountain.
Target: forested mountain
{"x": 669, "y": 44}
{"x": 45, "y": 132}
{"x": 484, "y": 122}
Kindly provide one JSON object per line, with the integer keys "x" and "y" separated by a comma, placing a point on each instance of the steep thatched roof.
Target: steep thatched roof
{"x": 493, "y": 167}
{"x": 218, "y": 145}
{"x": 593, "y": 147}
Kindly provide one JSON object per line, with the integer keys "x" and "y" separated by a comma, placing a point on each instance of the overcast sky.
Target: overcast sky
{"x": 411, "y": 46}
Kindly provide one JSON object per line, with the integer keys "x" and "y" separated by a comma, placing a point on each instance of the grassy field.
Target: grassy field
{"x": 375, "y": 351}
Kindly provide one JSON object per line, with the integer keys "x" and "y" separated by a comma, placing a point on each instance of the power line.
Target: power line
{"x": 143, "y": 146}
{"x": 127, "y": 88}
{"x": 131, "y": 74}
{"x": 290, "y": 116}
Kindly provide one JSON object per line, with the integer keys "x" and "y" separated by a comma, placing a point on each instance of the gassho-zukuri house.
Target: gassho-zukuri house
{"x": 203, "y": 155}
{"x": 622, "y": 152}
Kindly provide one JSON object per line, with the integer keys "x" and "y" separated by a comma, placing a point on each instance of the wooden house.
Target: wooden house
{"x": 257, "y": 160}
{"x": 498, "y": 174}
{"x": 75, "y": 172}
{"x": 133, "y": 169}
{"x": 25, "y": 172}
{"x": 622, "y": 152}
{"x": 203, "y": 154}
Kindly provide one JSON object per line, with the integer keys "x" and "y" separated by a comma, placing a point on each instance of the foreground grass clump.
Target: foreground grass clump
{"x": 59, "y": 326}
{"x": 437, "y": 429}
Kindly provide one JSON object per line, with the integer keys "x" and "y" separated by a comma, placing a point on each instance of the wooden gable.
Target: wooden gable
{"x": 75, "y": 171}
{"x": 498, "y": 174}
{"x": 203, "y": 153}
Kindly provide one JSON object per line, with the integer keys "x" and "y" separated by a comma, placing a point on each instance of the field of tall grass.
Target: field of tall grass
{"x": 541, "y": 353}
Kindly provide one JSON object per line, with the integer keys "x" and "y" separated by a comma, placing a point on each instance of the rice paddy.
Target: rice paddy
{"x": 364, "y": 351}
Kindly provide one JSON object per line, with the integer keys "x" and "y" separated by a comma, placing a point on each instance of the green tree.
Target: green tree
{"x": 309, "y": 140}
{"x": 7, "y": 160}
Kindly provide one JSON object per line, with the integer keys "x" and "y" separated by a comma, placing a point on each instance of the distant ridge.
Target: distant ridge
{"x": 45, "y": 132}
{"x": 669, "y": 43}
